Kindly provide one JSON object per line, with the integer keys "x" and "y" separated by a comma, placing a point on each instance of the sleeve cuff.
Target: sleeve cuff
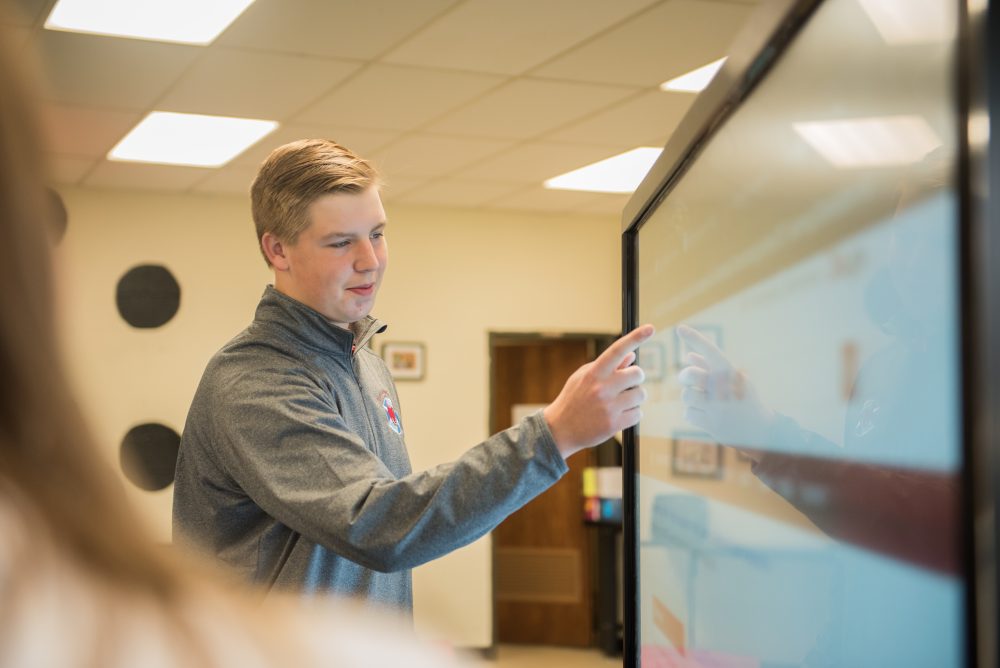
{"x": 546, "y": 444}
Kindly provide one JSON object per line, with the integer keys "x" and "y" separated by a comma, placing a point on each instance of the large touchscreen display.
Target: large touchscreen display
{"x": 799, "y": 457}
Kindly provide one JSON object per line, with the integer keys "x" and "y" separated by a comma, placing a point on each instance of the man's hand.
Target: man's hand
{"x": 600, "y": 398}
{"x": 718, "y": 397}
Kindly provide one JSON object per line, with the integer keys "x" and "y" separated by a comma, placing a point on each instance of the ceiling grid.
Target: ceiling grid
{"x": 469, "y": 104}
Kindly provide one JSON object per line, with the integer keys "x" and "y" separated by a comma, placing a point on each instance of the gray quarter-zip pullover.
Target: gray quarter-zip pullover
{"x": 293, "y": 469}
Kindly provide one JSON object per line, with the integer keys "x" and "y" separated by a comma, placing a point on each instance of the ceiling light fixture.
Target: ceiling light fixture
{"x": 618, "y": 174}
{"x": 884, "y": 141}
{"x": 182, "y": 21}
{"x": 694, "y": 81}
{"x": 193, "y": 140}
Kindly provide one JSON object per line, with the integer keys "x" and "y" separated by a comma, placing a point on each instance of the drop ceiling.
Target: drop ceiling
{"x": 469, "y": 104}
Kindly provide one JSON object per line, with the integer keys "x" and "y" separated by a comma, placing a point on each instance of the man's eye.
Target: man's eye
{"x": 378, "y": 235}
{"x": 340, "y": 244}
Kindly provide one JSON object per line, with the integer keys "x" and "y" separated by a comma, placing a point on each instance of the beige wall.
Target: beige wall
{"x": 453, "y": 277}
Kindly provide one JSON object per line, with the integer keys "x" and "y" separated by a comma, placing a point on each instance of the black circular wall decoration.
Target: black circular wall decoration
{"x": 148, "y": 455}
{"x": 148, "y": 296}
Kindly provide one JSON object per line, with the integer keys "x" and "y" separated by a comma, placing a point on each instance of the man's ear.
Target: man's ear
{"x": 274, "y": 249}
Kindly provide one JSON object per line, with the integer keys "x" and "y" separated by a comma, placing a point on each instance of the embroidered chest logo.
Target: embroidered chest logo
{"x": 390, "y": 413}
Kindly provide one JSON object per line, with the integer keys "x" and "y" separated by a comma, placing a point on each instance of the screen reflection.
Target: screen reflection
{"x": 799, "y": 457}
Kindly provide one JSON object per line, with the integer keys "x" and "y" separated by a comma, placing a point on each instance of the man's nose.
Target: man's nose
{"x": 365, "y": 260}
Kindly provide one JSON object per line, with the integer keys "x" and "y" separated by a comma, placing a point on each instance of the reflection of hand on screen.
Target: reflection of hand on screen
{"x": 718, "y": 397}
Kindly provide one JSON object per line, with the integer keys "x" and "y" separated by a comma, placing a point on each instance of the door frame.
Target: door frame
{"x": 597, "y": 343}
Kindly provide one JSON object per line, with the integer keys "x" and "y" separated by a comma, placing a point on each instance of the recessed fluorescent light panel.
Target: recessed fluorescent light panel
{"x": 189, "y": 139}
{"x": 619, "y": 174}
{"x": 911, "y": 21}
{"x": 183, "y": 21}
{"x": 886, "y": 141}
{"x": 694, "y": 81}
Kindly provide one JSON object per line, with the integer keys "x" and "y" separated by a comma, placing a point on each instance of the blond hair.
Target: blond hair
{"x": 81, "y": 582}
{"x": 47, "y": 456}
{"x": 54, "y": 484}
{"x": 295, "y": 175}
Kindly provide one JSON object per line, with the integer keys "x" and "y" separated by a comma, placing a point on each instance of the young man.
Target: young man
{"x": 293, "y": 468}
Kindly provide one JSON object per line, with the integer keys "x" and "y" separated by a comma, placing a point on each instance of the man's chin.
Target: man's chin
{"x": 359, "y": 315}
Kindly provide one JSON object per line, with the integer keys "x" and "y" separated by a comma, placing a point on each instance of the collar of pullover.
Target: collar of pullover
{"x": 293, "y": 319}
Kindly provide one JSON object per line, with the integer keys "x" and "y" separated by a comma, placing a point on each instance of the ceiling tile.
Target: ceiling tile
{"x": 85, "y": 132}
{"x": 231, "y": 180}
{"x": 397, "y": 98}
{"x": 509, "y": 37}
{"x": 457, "y": 192}
{"x": 333, "y": 28}
{"x": 26, "y": 12}
{"x": 18, "y": 36}
{"x": 362, "y": 142}
{"x": 535, "y": 162}
{"x": 251, "y": 84}
{"x": 541, "y": 199}
{"x": 668, "y": 40}
{"x": 395, "y": 188}
{"x": 528, "y": 107}
{"x": 109, "y": 72}
{"x": 427, "y": 155}
{"x": 68, "y": 169}
{"x": 604, "y": 203}
{"x": 631, "y": 123}
{"x": 140, "y": 175}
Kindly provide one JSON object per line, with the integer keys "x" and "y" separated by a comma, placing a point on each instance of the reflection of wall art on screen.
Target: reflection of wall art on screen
{"x": 148, "y": 296}
{"x": 849, "y": 365}
{"x": 712, "y": 332}
{"x": 651, "y": 359}
{"x": 148, "y": 456}
{"x": 693, "y": 456}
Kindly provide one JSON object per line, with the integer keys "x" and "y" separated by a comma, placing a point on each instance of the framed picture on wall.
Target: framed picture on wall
{"x": 405, "y": 360}
{"x": 693, "y": 457}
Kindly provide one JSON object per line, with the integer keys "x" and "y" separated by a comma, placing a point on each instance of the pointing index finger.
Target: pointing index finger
{"x": 611, "y": 358}
{"x": 701, "y": 344}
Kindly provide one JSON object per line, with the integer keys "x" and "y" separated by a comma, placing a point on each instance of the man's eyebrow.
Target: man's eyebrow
{"x": 349, "y": 235}
{"x": 337, "y": 235}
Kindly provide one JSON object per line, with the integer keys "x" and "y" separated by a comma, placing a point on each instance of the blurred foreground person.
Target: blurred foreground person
{"x": 80, "y": 582}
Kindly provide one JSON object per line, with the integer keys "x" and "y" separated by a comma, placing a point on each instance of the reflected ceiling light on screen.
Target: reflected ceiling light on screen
{"x": 183, "y": 21}
{"x": 976, "y": 6}
{"x": 911, "y": 21}
{"x": 618, "y": 174}
{"x": 979, "y": 128}
{"x": 193, "y": 140}
{"x": 694, "y": 81}
{"x": 885, "y": 141}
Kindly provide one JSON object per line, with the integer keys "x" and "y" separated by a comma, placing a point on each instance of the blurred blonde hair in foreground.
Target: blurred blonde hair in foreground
{"x": 81, "y": 584}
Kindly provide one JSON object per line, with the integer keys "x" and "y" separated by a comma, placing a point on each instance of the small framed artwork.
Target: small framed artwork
{"x": 695, "y": 458}
{"x": 405, "y": 360}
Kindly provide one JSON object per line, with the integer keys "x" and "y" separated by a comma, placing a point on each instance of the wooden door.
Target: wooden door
{"x": 542, "y": 554}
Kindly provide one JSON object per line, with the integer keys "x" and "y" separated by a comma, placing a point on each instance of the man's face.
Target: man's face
{"x": 336, "y": 264}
